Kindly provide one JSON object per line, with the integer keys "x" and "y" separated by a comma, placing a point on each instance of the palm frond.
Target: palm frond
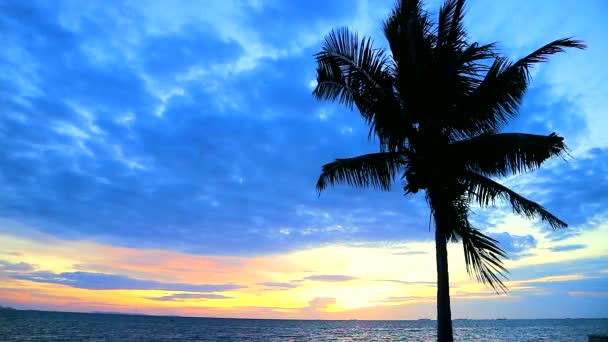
{"x": 405, "y": 26}
{"x": 542, "y": 55}
{"x": 376, "y": 170}
{"x": 353, "y": 72}
{"x": 507, "y": 153}
{"x": 348, "y": 67}
{"x": 485, "y": 191}
{"x": 483, "y": 258}
{"x": 498, "y": 97}
{"x": 450, "y": 28}
{"x": 471, "y": 59}
{"x": 411, "y": 36}
{"x": 468, "y": 65}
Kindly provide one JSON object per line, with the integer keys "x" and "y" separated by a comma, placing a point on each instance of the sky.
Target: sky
{"x": 160, "y": 157}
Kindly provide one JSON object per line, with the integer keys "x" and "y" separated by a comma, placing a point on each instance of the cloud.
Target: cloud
{"x": 330, "y": 278}
{"x": 566, "y": 284}
{"x": 16, "y": 267}
{"x": 596, "y": 294}
{"x": 588, "y": 267}
{"x": 398, "y": 299}
{"x": 174, "y": 55}
{"x": 515, "y": 245}
{"x": 278, "y": 19}
{"x": 320, "y": 303}
{"x": 425, "y": 283}
{"x": 191, "y": 128}
{"x": 11, "y": 253}
{"x": 560, "y": 114}
{"x": 203, "y": 136}
{"x": 575, "y": 191}
{"x": 102, "y": 281}
{"x": 175, "y": 156}
{"x": 559, "y": 278}
{"x": 279, "y": 285}
{"x": 178, "y": 297}
{"x": 567, "y": 248}
{"x": 411, "y": 253}
{"x": 564, "y": 77}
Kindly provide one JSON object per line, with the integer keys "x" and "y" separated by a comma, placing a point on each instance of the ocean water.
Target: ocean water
{"x": 66, "y": 327}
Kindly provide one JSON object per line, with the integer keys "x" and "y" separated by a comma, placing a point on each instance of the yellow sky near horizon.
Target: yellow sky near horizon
{"x": 334, "y": 281}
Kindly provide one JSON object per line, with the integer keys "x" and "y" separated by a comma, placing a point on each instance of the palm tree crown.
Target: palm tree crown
{"x": 437, "y": 103}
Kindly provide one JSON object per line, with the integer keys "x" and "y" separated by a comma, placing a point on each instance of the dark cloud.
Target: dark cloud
{"x": 541, "y": 116}
{"x": 193, "y": 177}
{"x": 206, "y": 176}
{"x": 591, "y": 284}
{"x": 189, "y": 297}
{"x": 564, "y": 187}
{"x": 590, "y": 267}
{"x": 169, "y": 55}
{"x": 331, "y": 278}
{"x": 576, "y": 191}
{"x": 33, "y": 24}
{"x": 538, "y": 306}
{"x": 278, "y": 19}
{"x": 16, "y": 267}
{"x": 567, "y": 248}
{"x": 230, "y": 165}
{"x": 103, "y": 281}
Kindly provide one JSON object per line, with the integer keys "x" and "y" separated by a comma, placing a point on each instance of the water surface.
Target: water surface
{"x": 68, "y": 327}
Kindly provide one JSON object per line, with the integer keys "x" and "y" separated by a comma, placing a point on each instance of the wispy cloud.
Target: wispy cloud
{"x": 398, "y": 299}
{"x": 279, "y": 285}
{"x": 330, "y": 278}
{"x": 404, "y": 282}
{"x": 102, "y": 281}
{"x": 16, "y": 267}
{"x": 598, "y": 294}
{"x": 567, "y": 248}
{"x": 11, "y": 253}
{"x": 411, "y": 253}
{"x": 178, "y": 297}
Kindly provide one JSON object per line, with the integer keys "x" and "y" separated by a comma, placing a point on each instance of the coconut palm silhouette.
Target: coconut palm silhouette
{"x": 437, "y": 103}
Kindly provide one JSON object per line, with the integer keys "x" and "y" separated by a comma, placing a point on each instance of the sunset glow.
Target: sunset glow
{"x": 162, "y": 158}
{"x": 336, "y": 281}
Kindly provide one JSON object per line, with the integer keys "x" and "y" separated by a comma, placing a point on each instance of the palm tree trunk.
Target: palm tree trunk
{"x": 444, "y": 313}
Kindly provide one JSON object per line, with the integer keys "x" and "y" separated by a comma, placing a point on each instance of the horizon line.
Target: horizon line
{"x": 8, "y": 308}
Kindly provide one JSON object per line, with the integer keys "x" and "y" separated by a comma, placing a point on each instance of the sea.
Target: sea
{"x": 21, "y": 325}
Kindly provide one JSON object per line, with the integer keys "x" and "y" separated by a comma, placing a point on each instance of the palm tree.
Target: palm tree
{"x": 437, "y": 103}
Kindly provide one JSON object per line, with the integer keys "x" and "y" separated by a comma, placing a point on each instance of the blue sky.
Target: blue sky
{"x": 189, "y": 126}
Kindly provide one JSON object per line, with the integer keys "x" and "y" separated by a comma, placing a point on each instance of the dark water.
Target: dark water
{"x": 65, "y": 327}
